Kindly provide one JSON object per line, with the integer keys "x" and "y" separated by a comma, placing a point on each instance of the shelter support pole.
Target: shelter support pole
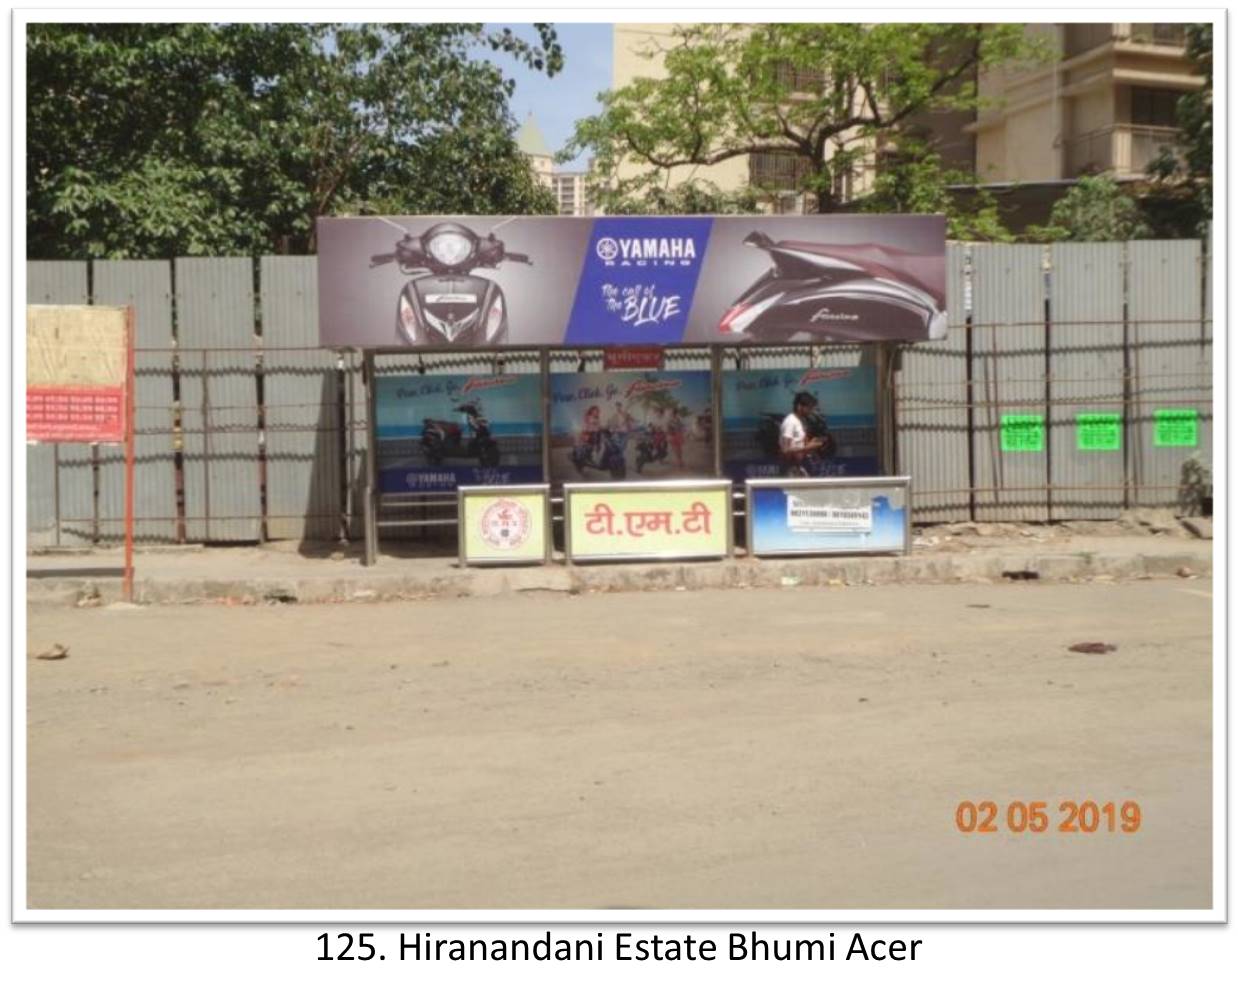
{"x": 130, "y": 460}
{"x": 885, "y": 361}
{"x": 369, "y": 497}
{"x": 715, "y": 404}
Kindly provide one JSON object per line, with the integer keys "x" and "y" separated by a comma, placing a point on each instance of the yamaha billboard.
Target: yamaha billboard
{"x": 480, "y": 282}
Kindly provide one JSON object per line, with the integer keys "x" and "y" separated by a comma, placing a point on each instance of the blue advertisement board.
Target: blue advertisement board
{"x": 621, "y": 425}
{"x": 435, "y": 432}
{"x": 754, "y": 403}
{"x": 806, "y": 517}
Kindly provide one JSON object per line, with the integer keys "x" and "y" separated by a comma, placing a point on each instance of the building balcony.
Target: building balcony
{"x": 1122, "y": 149}
{"x": 1080, "y": 38}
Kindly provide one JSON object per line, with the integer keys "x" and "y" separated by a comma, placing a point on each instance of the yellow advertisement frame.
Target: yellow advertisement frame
{"x": 534, "y": 497}
{"x": 715, "y": 495}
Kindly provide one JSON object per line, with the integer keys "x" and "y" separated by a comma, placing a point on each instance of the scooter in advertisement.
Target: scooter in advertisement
{"x": 817, "y": 292}
{"x": 444, "y": 304}
{"x": 442, "y": 439}
{"x": 652, "y": 446}
{"x": 606, "y": 454}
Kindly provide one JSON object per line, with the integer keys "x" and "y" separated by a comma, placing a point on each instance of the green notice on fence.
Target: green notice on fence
{"x": 1176, "y": 427}
{"x": 1023, "y": 433}
{"x": 1098, "y": 431}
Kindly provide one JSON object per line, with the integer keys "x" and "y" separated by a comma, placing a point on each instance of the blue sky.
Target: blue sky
{"x": 557, "y": 103}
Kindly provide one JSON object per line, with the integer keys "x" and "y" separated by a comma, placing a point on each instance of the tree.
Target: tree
{"x": 689, "y": 197}
{"x": 820, "y": 96}
{"x": 154, "y": 140}
{"x": 915, "y": 182}
{"x": 1182, "y": 177}
{"x": 1095, "y": 210}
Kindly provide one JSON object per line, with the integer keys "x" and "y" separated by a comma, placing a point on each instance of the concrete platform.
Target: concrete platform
{"x": 288, "y": 573}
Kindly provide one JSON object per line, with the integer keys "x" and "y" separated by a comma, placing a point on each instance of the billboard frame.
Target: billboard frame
{"x": 825, "y": 484}
{"x": 499, "y": 491}
{"x": 695, "y": 484}
{"x": 884, "y": 358}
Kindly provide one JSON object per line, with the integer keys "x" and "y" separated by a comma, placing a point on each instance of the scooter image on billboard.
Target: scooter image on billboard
{"x": 444, "y": 304}
{"x": 441, "y": 439}
{"x": 816, "y": 292}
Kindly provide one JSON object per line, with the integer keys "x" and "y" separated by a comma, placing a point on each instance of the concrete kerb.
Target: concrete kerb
{"x": 445, "y": 580}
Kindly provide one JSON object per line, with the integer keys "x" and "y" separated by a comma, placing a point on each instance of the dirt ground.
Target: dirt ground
{"x": 722, "y": 749}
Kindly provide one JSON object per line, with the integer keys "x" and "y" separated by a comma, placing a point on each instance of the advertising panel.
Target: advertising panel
{"x": 76, "y": 371}
{"x": 476, "y": 282}
{"x": 505, "y": 525}
{"x": 435, "y": 432}
{"x": 680, "y": 521}
{"x": 754, "y": 403}
{"x": 621, "y": 425}
{"x": 864, "y": 515}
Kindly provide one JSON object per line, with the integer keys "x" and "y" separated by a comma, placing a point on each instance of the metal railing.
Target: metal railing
{"x": 1125, "y": 149}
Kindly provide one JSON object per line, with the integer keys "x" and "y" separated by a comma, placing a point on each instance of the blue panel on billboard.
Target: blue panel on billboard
{"x": 437, "y": 432}
{"x": 638, "y": 280}
{"x": 754, "y": 402}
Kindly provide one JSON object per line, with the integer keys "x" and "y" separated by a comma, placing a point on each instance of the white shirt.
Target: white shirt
{"x": 792, "y": 435}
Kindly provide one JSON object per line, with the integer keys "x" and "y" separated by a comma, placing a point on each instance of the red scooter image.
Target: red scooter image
{"x": 816, "y": 292}
{"x": 441, "y": 439}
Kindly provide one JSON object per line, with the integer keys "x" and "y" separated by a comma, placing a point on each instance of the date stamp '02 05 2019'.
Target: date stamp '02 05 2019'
{"x": 1085, "y": 817}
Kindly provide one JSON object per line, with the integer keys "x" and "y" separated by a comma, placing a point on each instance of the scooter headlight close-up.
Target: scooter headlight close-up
{"x": 450, "y": 248}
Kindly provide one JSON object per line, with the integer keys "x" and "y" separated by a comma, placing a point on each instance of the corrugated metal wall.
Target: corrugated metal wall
{"x": 219, "y": 398}
{"x": 931, "y": 408}
{"x": 1087, "y": 362}
{"x": 148, "y": 287}
{"x": 1008, "y": 370}
{"x": 1167, "y": 357}
{"x": 1105, "y": 328}
{"x": 301, "y": 424}
{"x": 62, "y": 472}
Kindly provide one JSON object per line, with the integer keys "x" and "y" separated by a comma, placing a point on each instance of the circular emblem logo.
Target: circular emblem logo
{"x": 607, "y": 249}
{"x": 505, "y": 524}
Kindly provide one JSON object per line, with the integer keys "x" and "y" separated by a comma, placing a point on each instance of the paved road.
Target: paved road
{"x": 782, "y": 749}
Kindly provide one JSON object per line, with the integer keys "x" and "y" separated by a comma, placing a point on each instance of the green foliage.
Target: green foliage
{"x": 690, "y": 197}
{"x": 915, "y": 182}
{"x": 156, "y": 140}
{"x": 824, "y": 94}
{"x": 1183, "y": 176}
{"x": 1096, "y": 209}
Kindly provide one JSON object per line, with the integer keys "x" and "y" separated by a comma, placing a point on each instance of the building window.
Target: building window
{"x": 1154, "y": 107}
{"x": 780, "y": 170}
{"x": 799, "y": 80}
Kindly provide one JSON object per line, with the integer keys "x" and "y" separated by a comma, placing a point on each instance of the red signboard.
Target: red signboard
{"x": 632, "y": 358}
{"x": 75, "y": 414}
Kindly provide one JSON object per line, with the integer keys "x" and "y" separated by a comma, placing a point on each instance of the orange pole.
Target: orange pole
{"x": 129, "y": 452}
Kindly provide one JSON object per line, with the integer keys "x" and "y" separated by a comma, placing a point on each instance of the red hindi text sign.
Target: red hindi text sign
{"x": 632, "y": 358}
{"x": 75, "y": 414}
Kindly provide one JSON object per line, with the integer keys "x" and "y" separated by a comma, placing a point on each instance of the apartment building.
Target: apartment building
{"x": 1105, "y": 103}
{"x": 568, "y": 186}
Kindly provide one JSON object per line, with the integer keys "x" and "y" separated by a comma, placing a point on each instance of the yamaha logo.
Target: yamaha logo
{"x": 647, "y": 252}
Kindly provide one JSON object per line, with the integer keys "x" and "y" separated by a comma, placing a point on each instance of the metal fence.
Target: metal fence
{"x": 247, "y": 430}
